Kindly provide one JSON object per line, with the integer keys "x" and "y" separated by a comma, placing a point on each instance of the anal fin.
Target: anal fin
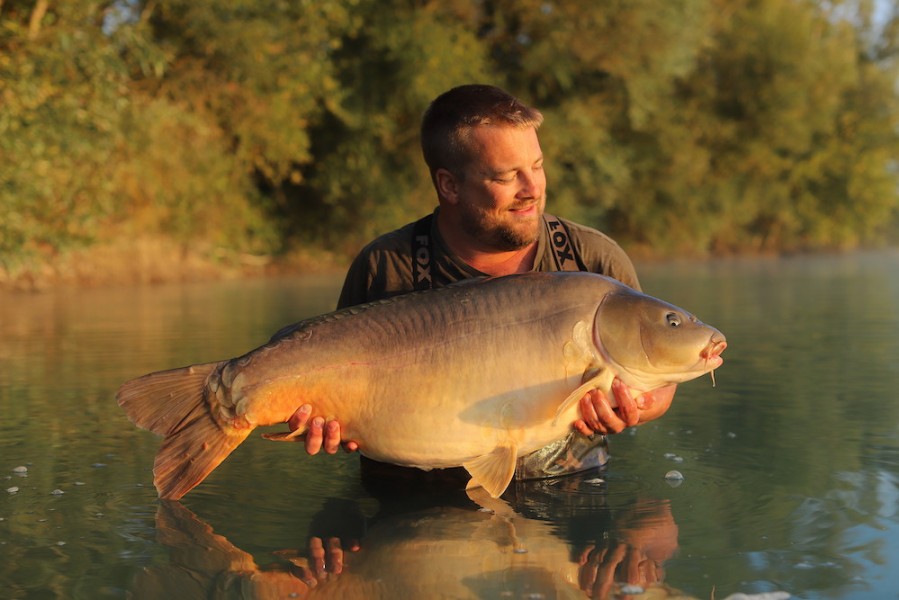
{"x": 286, "y": 436}
{"x": 493, "y": 471}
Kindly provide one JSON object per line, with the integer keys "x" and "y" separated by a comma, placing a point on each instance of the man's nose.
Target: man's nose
{"x": 531, "y": 184}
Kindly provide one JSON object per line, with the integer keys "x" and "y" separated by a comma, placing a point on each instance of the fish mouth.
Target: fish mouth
{"x": 711, "y": 354}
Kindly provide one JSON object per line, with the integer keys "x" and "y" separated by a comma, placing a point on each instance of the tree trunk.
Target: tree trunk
{"x": 37, "y": 15}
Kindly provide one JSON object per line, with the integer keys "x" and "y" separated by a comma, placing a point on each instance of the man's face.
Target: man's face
{"x": 503, "y": 194}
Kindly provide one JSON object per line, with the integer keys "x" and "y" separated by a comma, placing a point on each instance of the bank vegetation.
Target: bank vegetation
{"x": 146, "y": 140}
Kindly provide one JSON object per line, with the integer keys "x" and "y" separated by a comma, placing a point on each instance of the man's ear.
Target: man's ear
{"x": 447, "y": 186}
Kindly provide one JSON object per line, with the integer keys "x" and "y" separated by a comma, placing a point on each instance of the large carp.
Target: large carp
{"x": 475, "y": 374}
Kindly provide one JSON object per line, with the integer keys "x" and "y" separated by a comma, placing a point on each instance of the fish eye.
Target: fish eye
{"x": 673, "y": 319}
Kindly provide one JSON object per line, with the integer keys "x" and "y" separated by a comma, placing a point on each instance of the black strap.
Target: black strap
{"x": 563, "y": 252}
{"x": 422, "y": 251}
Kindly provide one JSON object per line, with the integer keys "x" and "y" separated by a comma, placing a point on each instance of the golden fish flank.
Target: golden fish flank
{"x": 475, "y": 374}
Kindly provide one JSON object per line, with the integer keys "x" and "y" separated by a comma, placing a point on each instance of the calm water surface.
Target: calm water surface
{"x": 790, "y": 464}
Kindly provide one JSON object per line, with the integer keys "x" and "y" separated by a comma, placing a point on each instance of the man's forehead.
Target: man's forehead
{"x": 503, "y": 140}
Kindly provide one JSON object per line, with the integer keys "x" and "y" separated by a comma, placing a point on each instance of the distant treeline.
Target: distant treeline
{"x": 263, "y": 126}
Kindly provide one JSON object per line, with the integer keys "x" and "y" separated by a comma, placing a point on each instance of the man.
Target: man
{"x": 485, "y": 160}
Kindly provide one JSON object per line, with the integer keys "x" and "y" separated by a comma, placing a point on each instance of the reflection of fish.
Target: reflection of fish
{"x": 474, "y": 374}
{"x": 436, "y": 552}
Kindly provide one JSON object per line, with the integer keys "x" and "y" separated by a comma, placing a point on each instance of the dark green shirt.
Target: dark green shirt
{"x": 384, "y": 267}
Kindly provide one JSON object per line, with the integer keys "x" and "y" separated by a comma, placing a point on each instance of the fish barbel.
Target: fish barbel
{"x": 474, "y": 374}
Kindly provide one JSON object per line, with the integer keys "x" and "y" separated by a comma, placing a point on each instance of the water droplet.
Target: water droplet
{"x": 12, "y": 490}
{"x": 20, "y": 470}
{"x": 674, "y": 476}
{"x": 57, "y": 492}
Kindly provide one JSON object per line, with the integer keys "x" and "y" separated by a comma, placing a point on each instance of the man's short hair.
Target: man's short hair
{"x": 448, "y": 121}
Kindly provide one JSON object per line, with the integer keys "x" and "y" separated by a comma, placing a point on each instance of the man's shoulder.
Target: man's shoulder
{"x": 586, "y": 235}
{"x": 398, "y": 241}
{"x": 381, "y": 269}
{"x": 600, "y": 253}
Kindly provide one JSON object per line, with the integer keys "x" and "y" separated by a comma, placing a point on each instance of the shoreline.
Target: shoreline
{"x": 157, "y": 261}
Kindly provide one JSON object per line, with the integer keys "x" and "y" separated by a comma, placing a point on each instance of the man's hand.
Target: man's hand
{"x": 320, "y": 435}
{"x": 598, "y": 416}
{"x": 325, "y": 561}
{"x": 635, "y": 552}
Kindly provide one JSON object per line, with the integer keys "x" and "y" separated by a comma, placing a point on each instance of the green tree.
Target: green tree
{"x": 690, "y": 126}
{"x": 368, "y": 174}
{"x": 793, "y": 89}
{"x": 88, "y": 155}
{"x": 61, "y": 89}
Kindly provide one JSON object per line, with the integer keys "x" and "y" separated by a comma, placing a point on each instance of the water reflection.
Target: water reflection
{"x": 471, "y": 547}
{"x": 791, "y": 464}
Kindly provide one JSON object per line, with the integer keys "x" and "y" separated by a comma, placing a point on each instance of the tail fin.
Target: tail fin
{"x": 173, "y": 403}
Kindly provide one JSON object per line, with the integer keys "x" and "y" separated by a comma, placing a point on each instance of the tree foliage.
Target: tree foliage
{"x": 683, "y": 127}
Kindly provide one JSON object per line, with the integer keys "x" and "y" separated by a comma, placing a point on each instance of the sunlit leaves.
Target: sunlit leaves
{"x": 689, "y": 126}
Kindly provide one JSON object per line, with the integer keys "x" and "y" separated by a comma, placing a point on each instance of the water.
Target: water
{"x": 790, "y": 465}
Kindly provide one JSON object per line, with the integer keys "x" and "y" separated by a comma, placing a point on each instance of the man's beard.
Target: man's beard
{"x": 502, "y": 235}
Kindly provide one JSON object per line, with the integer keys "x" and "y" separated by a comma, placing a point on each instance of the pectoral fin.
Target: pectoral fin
{"x": 493, "y": 471}
{"x": 602, "y": 380}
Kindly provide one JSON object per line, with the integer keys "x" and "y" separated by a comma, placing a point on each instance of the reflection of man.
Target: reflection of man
{"x": 641, "y": 543}
{"x": 612, "y": 546}
{"x": 486, "y": 164}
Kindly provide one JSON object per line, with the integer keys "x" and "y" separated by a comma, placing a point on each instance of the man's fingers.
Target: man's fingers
{"x": 605, "y": 576}
{"x": 300, "y": 417}
{"x": 317, "y": 557}
{"x": 319, "y": 435}
{"x": 314, "y": 435}
{"x": 583, "y": 428}
{"x": 608, "y": 419}
{"x": 332, "y": 437}
{"x": 588, "y": 415}
{"x": 627, "y": 406}
{"x": 335, "y": 556}
{"x": 589, "y": 565}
